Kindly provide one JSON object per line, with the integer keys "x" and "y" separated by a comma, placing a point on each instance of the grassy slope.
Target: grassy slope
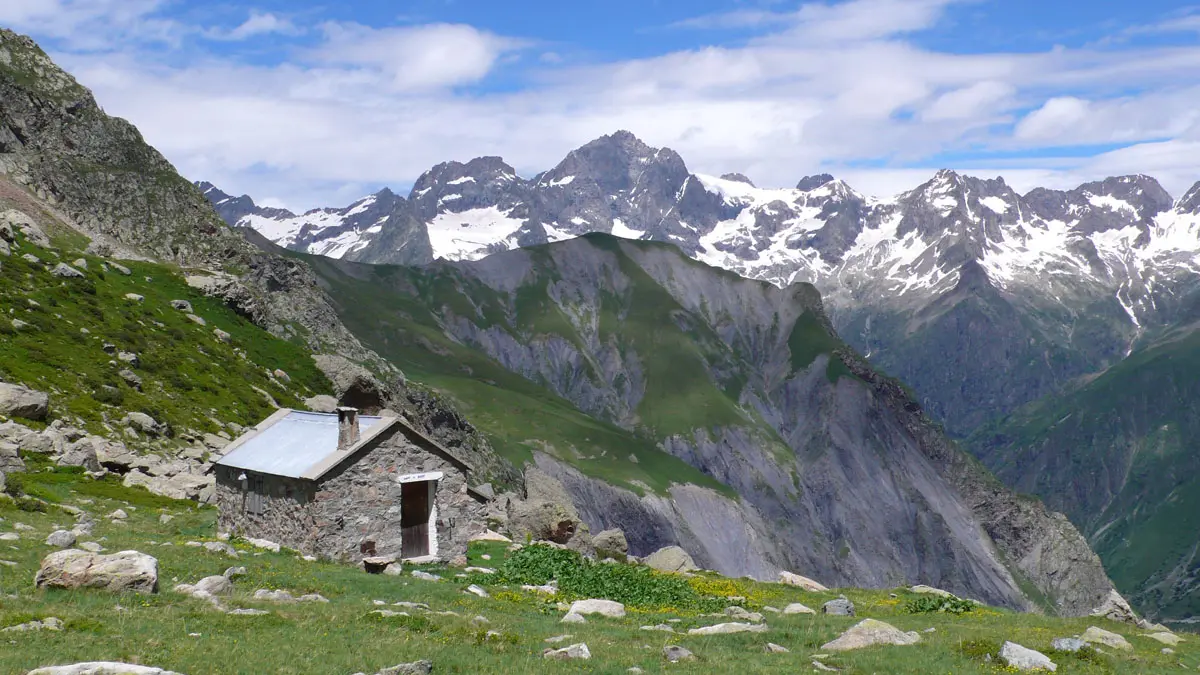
{"x": 1134, "y": 420}
{"x": 170, "y": 631}
{"x": 188, "y": 374}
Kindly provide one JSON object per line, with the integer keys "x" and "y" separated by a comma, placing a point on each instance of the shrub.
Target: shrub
{"x": 929, "y": 603}
{"x": 578, "y": 577}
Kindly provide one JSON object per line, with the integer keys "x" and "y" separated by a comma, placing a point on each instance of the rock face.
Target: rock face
{"x": 671, "y": 559}
{"x": 868, "y": 633}
{"x": 118, "y": 572}
{"x": 20, "y": 401}
{"x": 1023, "y": 658}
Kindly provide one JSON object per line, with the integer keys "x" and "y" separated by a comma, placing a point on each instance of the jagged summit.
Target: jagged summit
{"x": 738, "y": 178}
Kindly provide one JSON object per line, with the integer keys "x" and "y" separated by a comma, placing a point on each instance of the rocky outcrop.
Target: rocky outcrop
{"x": 20, "y": 401}
{"x": 671, "y": 559}
{"x": 868, "y": 633}
{"x": 118, "y": 572}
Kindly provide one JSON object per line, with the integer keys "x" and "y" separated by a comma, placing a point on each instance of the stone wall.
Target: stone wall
{"x": 355, "y": 502}
{"x": 360, "y": 501}
{"x": 286, "y": 517}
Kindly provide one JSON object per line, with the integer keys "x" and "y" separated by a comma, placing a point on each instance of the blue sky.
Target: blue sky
{"x": 308, "y": 103}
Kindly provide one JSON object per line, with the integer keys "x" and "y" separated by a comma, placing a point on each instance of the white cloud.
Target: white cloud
{"x": 831, "y": 87}
{"x": 416, "y": 57}
{"x": 91, "y": 25}
{"x": 259, "y": 23}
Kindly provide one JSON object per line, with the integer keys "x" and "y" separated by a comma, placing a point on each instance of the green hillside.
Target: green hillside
{"x": 1120, "y": 457}
{"x": 65, "y": 335}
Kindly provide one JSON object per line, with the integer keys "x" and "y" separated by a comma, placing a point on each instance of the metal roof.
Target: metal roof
{"x": 291, "y": 445}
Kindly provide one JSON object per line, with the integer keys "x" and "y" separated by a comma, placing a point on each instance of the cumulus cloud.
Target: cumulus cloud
{"x": 259, "y": 23}
{"x": 830, "y": 87}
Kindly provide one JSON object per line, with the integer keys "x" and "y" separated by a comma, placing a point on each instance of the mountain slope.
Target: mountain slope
{"x": 1118, "y": 455}
{"x": 621, "y": 359}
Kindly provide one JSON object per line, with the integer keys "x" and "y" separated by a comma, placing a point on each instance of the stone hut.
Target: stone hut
{"x": 346, "y": 486}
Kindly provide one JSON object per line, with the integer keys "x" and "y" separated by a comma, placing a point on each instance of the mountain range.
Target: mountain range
{"x": 1006, "y": 313}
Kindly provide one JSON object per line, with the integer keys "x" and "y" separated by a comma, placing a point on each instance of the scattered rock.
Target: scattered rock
{"x": 281, "y": 375}
{"x": 49, "y": 623}
{"x": 1165, "y": 638}
{"x": 215, "y": 585}
{"x": 797, "y": 608}
{"x": 21, "y": 401}
{"x": 575, "y": 651}
{"x": 235, "y": 573}
{"x": 1100, "y": 636}
{"x": 130, "y": 358}
{"x": 198, "y": 320}
{"x": 418, "y": 574}
{"x": 20, "y": 221}
{"x": 32, "y": 259}
{"x": 394, "y": 570}
{"x": 273, "y": 596}
{"x": 313, "y": 597}
{"x": 247, "y": 612}
{"x": 807, "y": 584}
{"x": 607, "y": 608}
{"x": 839, "y": 607}
{"x": 480, "y": 570}
{"x": 743, "y": 614}
{"x": 558, "y": 638}
{"x": 423, "y": 667}
{"x": 119, "y": 514}
{"x": 182, "y": 305}
{"x": 671, "y": 559}
{"x": 142, "y": 422}
{"x": 572, "y": 617}
{"x": 66, "y": 271}
{"x": 662, "y": 627}
{"x": 101, "y": 668}
{"x": 61, "y": 539}
{"x": 9, "y": 536}
{"x": 221, "y": 335}
{"x": 725, "y": 628}
{"x": 486, "y": 535}
{"x": 675, "y": 654}
{"x": 870, "y": 632}
{"x": 91, "y": 547}
{"x": 377, "y": 564}
{"x": 1068, "y": 644}
{"x": 478, "y": 591}
{"x": 123, "y": 571}
{"x": 930, "y": 590}
{"x": 131, "y": 378}
{"x": 223, "y": 548}
{"x": 264, "y": 544}
{"x": 1023, "y": 658}
{"x": 134, "y": 297}
{"x": 817, "y": 665}
{"x": 773, "y": 648}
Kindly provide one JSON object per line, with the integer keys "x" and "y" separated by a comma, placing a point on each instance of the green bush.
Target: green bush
{"x": 579, "y": 577}
{"x": 930, "y": 603}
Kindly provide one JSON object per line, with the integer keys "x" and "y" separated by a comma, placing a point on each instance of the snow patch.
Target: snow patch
{"x": 467, "y": 235}
{"x": 620, "y": 230}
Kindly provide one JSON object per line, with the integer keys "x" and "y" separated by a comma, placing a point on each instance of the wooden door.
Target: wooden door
{"x": 415, "y": 508}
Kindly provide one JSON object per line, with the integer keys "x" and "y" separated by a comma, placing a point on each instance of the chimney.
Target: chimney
{"x": 347, "y": 427}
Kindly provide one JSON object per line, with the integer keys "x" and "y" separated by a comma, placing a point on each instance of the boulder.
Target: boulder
{"x": 1023, "y": 658}
{"x": 572, "y": 617}
{"x": 142, "y": 422}
{"x": 321, "y": 403}
{"x": 49, "y": 623}
{"x": 377, "y": 564}
{"x": 215, "y": 585}
{"x": 807, "y": 584}
{"x": 221, "y": 335}
{"x": 182, "y": 305}
{"x": 13, "y": 220}
{"x": 797, "y": 608}
{"x": 930, "y": 590}
{"x": 575, "y": 651}
{"x": 607, "y": 608}
{"x": 118, "y": 572}
{"x": 1165, "y": 638}
{"x": 1115, "y": 608}
{"x": 101, "y": 668}
{"x": 66, "y": 271}
{"x": 868, "y": 633}
{"x": 488, "y": 535}
{"x": 542, "y": 520}
{"x": 611, "y": 544}
{"x": 839, "y": 607}
{"x": 1099, "y": 636}
{"x": 772, "y": 648}
{"x": 61, "y": 539}
{"x": 83, "y": 453}
{"x": 675, "y": 654}
{"x": 273, "y": 596}
{"x": 1068, "y": 644}
{"x": 10, "y": 458}
{"x": 726, "y": 628}
{"x": 671, "y": 559}
{"x": 353, "y": 384}
{"x": 131, "y": 378}
{"x": 21, "y": 401}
